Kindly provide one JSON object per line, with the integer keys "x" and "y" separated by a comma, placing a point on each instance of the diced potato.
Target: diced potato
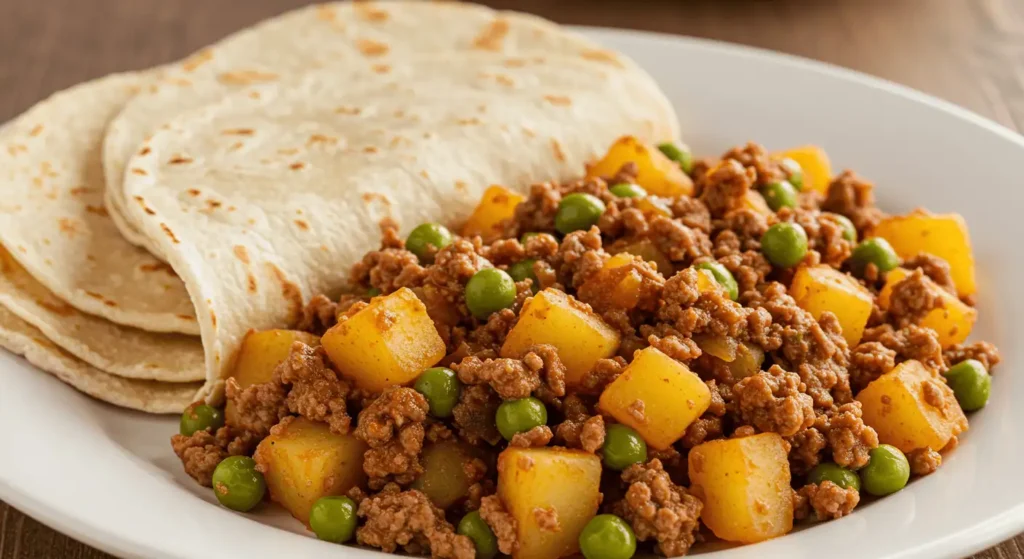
{"x": 303, "y": 461}
{"x": 658, "y": 396}
{"x": 706, "y": 282}
{"x": 911, "y": 407}
{"x": 820, "y": 288}
{"x": 745, "y": 486}
{"x": 650, "y": 253}
{"x": 658, "y": 174}
{"x": 496, "y": 205}
{"x": 388, "y": 343}
{"x": 943, "y": 235}
{"x": 722, "y": 347}
{"x": 552, "y": 317}
{"x": 743, "y": 359}
{"x": 535, "y": 480}
{"x": 620, "y": 285}
{"x": 444, "y": 479}
{"x": 756, "y": 202}
{"x": 260, "y": 354}
{"x": 952, "y": 322}
{"x": 653, "y": 207}
{"x": 815, "y": 164}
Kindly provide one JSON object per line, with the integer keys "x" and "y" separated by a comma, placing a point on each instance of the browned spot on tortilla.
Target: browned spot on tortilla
{"x": 245, "y": 77}
{"x": 288, "y": 151}
{"x": 94, "y": 295}
{"x": 194, "y": 192}
{"x": 425, "y": 174}
{"x": 157, "y": 267}
{"x": 214, "y": 204}
{"x": 468, "y": 121}
{"x": 370, "y": 47}
{"x": 147, "y": 210}
{"x": 370, "y": 149}
{"x": 492, "y": 35}
{"x": 345, "y": 110}
{"x": 461, "y": 186}
{"x": 213, "y": 318}
{"x": 504, "y": 80}
{"x": 559, "y": 100}
{"x": 529, "y": 132}
{"x": 298, "y": 165}
{"x": 109, "y": 303}
{"x": 321, "y": 139}
{"x": 369, "y": 12}
{"x": 398, "y": 140}
{"x": 68, "y": 225}
{"x": 90, "y": 258}
{"x": 60, "y": 308}
{"x": 37, "y": 182}
{"x": 251, "y": 281}
{"x": 254, "y": 94}
{"x": 235, "y": 146}
{"x": 169, "y": 233}
{"x": 325, "y": 13}
{"x": 557, "y": 148}
{"x": 178, "y": 81}
{"x": 145, "y": 151}
{"x": 290, "y": 291}
{"x": 515, "y": 62}
{"x": 238, "y": 132}
{"x": 15, "y": 149}
{"x": 197, "y": 60}
{"x": 381, "y": 68}
{"x": 605, "y": 56}
{"x": 370, "y": 197}
{"x": 302, "y": 224}
{"x": 232, "y": 208}
{"x": 36, "y": 131}
{"x": 481, "y": 108}
{"x": 48, "y": 262}
{"x": 186, "y": 317}
{"x": 79, "y": 190}
{"x": 241, "y": 253}
{"x": 138, "y": 171}
{"x": 46, "y": 241}
{"x": 298, "y": 211}
{"x": 179, "y": 160}
{"x": 98, "y": 210}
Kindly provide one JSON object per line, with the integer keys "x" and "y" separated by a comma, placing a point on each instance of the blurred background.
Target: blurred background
{"x": 970, "y": 52}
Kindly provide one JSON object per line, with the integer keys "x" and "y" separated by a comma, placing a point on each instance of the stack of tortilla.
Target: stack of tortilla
{"x": 151, "y": 219}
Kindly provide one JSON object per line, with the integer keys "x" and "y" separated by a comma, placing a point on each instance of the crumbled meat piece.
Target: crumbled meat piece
{"x": 676, "y": 347}
{"x": 474, "y": 414}
{"x": 691, "y": 312}
{"x": 319, "y": 314}
{"x": 540, "y": 435}
{"x": 853, "y": 197}
{"x": 392, "y": 426}
{"x": 935, "y": 268}
{"x": 828, "y": 500}
{"x": 492, "y": 334}
{"x": 453, "y": 266}
{"x": 912, "y": 298}
{"x": 746, "y": 225}
{"x": 580, "y": 429}
{"x": 388, "y": 270}
{"x": 703, "y": 429}
{"x": 257, "y": 407}
{"x": 910, "y": 343}
{"x": 805, "y": 450}
{"x": 724, "y": 188}
{"x": 678, "y": 242}
{"x": 504, "y": 252}
{"x": 868, "y": 361}
{"x": 749, "y": 268}
{"x": 983, "y": 352}
{"x": 202, "y": 451}
{"x": 317, "y": 393}
{"x": 850, "y": 439}
{"x": 692, "y": 213}
{"x": 476, "y": 493}
{"x": 924, "y": 461}
{"x": 600, "y": 292}
{"x": 513, "y": 379}
{"x": 503, "y": 524}
{"x": 753, "y": 155}
{"x": 637, "y": 410}
{"x": 604, "y": 372}
{"x": 547, "y": 519}
{"x": 627, "y": 173}
{"x": 407, "y": 519}
{"x": 536, "y": 213}
{"x": 579, "y": 257}
{"x": 774, "y": 401}
{"x": 659, "y": 509}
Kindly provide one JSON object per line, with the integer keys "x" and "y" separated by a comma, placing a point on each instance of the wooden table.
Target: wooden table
{"x": 970, "y": 52}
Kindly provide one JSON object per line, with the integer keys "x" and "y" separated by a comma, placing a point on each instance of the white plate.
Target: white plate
{"x": 108, "y": 477}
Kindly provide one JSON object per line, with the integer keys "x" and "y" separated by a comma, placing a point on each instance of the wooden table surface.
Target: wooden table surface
{"x": 970, "y": 52}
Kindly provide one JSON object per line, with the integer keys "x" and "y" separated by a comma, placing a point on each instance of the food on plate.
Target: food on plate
{"x": 642, "y": 374}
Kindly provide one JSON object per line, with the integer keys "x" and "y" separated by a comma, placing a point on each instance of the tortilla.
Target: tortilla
{"x": 53, "y": 220}
{"x": 342, "y": 35}
{"x": 21, "y": 338}
{"x": 266, "y": 198}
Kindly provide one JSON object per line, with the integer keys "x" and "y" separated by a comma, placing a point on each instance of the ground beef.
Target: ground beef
{"x": 536, "y": 213}
{"x": 600, "y": 292}
{"x": 850, "y": 439}
{"x": 392, "y": 426}
{"x": 983, "y": 352}
{"x": 828, "y": 501}
{"x": 868, "y": 361}
{"x": 319, "y": 314}
{"x": 547, "y": 519}
{"x": 394, "y": 518}
{"x": 753, "y": 156}
{"x": 388, "y": 270}
{"x": 774, "y": 401}
{"x": 503, "y": 524}
{"x": 692, "y": 213}
{"x": 924, "y": 461}
{"x": 491, "y": 335}
{"x": 513, "y": 379}
{"x": 725, "y": 187}
{"x": 691, "y": 312}
{"x": 202, "y": 451}
{"x": 676, "y": 347}
{"x": 453, "y": 266}
{"x": 474, "y": 414}
{"x": 258, "y": 407}
{"x": 825, "y": 235}
{"x": 935, "y": 268}
{"x": 912, "y": 298}
{"x": 745, "y": 224}
{"x": 659, "y": 509}
{"x": 540, "y": 435}
{"x": 910, "y": 343}
{"x": 703, "y": 429}
{"x": 579, "y": 429}
{"x": 749, "y": 268}
{"x": 678, "y": 242}
{"x": 853, "y": 197}
{"x": 579, "y": 257}
{"x": 317, "y": 393}
{"x": 604, "y": 372}
{"x": 805, "y": 450}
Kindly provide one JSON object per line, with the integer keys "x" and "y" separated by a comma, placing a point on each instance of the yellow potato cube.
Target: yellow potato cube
{"x": 952, "y": 322}
{"x": 911, "y": 407}
{"x": 303, "y": 460}
{"x": 621, "y": 286}
{"x": 388, "y": 343}
{"x": 260, "y": 354}
{"x": 815, "y": 164}
{"x": 653, "y": 207}
{"x": 658, "y": 174}
{"x": 496, "y": 205}
{"x": 745, "y": 486}
{"x": 706, "y": 282}
{"x": 820, "y": 288}
{"x": 552, "y": 317}
{"x": 539, "y": 481}
{"x": 444, "y": 479}
{"x": 945, "y": 236}
{"x": 650, "y": 253}
{"x": 658, "y": 396}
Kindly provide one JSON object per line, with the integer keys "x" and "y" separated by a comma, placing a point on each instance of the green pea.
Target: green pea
{"x": 333, "y": 519}
{"x": 489, "y": 290}
{"x": 519, "y": 416}
{"x": 441, "y": 387}
{"x": 795, "y": 172}
{"x": 578, "y": 211}
{"x": 237, "y": 484}
{"x": 628, "y": 190}
{"x": 723, "y": 276}
{"x": 425, "y": 236}
{"x": 373, "y": 292}
{"x": 849, "y": 231}
{"x": 200, "y": 417}
{"x": 623, "y": 447}
{"x": 784, "y": 244}
{"x": 607, "y": 536}
{"x": 830, "y": 471}
{"x": 887, "y": 471}
{"x": 971, "y": 384}
{"x": 681, "y": 156}
{"x": 779, "y": 195}
{"x": 523, "y": 270}
{"x": 877, "y": 251}
{"x": 473, "y": 527}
